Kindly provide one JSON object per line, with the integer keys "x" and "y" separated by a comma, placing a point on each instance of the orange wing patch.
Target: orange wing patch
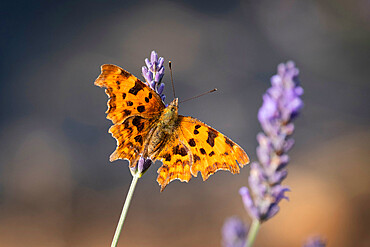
{"x": 131, "y": 136}
{"x": 177, "y": 159}
{"x": 211, "y": 150}
{"x": 127, "y": 95}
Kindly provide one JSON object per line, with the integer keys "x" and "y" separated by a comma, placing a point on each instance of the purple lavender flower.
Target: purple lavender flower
{"x": 281, "y": 104}
{"x": 141, "y": 167}
{"x": 315, "y": 242}
{"x": 153, "y": 73}
{"x": 234, "y": 233}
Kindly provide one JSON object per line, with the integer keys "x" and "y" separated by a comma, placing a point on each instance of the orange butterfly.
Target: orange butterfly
{"x": 145, "y": 127}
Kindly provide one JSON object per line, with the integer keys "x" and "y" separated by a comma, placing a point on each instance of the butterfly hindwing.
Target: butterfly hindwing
{"x": 211, "y": 149}
{"x": 198, "y": 147}
{"x": 130, "y": 136}
{"x": 128, "y": 95}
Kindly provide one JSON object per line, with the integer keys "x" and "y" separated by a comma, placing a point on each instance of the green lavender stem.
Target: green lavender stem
{"x": 125, "y": 209}
{"x": 252, "y": 233}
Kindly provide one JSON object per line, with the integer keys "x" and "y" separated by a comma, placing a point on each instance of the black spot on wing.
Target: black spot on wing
{"x": 125, "y": 74}
{"x": 135, "y": 89}
{"x": 127, "y": 112}
{"x": 229, "y": 142}
{"x": 150, "y": 95}
{"x": 129, "y": 103}
{"x": 196, "y": 132}
{"x": 197, "y": 126}
{"x": 124, "y": 96}
{"x": 137, "y": 121}
{"x": 212, "y": 134}
{"x": 181, "y": 151}
{"x": 192, "y": 142}
{"x": 139, "y": 139}
{"x": 141, "y": 108}
{"x": 211, "y": 154}
{"x": 202, "y": 151}
{"x": 167, "y": 157}
{"x": 196, "y": 158}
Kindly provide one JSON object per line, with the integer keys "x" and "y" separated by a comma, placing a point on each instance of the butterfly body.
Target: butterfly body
{"x": 162, "y": 133}
{"x": 145, "y": 127}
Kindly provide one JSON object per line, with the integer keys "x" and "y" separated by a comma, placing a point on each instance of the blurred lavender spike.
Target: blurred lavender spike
{"x": 315, "y": 242}
{"x": 234, "y": 233}
{"x": 153, "y": 73}
{"x": 281, "y": 104}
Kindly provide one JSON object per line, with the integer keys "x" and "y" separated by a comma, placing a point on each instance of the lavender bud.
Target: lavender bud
{"x": 234, "y": 233}
{"x": 315, "y": 242}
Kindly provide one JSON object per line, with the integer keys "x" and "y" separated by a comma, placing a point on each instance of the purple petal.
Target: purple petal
{"x": 234, "y": 233}
{"x": 276, "y": 81}
{"x": 273, "y": 210}
{"x": 158, "y": 77}
{"x": 278, "y": 177}
{"x": 160, "y": 88}
{"x": 153, "y": 57}
{"x": 268, "y": 109}
{"x": 278, "y": 192}
{"x": 144, "y": 164}
{"x": 248, "y": 202}
{"x": 315, "y": 242}
{"x": 148, "y": 64}
{"x": 160, "y": 62}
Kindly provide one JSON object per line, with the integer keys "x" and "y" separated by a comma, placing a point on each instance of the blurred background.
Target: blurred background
{"x": 57, "y": 186}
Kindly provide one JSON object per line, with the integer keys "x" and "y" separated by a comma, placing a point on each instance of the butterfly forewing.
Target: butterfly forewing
{"x": 128, "y": 96}
{"x": 132, "y": 106}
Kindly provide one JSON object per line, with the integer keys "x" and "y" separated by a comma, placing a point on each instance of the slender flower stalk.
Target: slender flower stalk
{"x": 124, "y": 210}
{"x": 153, "y": 75}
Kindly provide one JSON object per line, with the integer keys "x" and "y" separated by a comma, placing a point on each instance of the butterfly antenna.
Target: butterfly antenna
{"x": 210, "y": 91}
{"x": 173, "y": 86}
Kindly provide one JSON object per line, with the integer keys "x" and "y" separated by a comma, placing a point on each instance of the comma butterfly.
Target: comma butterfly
{"x": 145, "y": 127}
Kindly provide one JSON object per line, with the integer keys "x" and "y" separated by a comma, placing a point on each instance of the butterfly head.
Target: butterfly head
{"x": 174, "y": 103}
{"x": 170, "y": 113}
{"x": 173, "y": 107}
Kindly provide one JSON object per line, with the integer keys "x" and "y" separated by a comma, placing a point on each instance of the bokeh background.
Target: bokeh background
{"x": 57, "y": 187}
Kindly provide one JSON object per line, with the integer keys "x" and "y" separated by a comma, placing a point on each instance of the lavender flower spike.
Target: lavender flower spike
{"x": 234, "y": 233}
{"x": 281, "y": 104}
{"x": 153, "y": 73}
